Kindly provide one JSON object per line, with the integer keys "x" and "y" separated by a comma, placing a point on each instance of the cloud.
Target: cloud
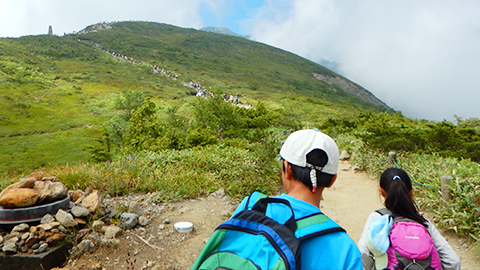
{"x": 419, "y": 57}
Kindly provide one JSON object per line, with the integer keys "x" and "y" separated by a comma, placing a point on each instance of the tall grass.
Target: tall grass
{"x": 188, "y": 173}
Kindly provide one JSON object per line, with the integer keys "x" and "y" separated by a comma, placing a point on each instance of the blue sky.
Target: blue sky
{"x": 233, "y": 14}
{"x": 420, "y": 57}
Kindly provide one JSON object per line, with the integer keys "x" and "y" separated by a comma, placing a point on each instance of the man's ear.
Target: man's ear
{"x": 288, "y": 170}
{"x": 333, "y": 180}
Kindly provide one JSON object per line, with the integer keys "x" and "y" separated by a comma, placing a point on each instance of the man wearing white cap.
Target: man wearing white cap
{"x": 310, "y": 162}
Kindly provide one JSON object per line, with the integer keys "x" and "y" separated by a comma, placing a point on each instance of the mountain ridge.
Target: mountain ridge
{"x": 220, "y": 44}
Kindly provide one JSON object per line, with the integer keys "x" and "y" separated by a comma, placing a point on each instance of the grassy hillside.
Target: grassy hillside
{"x": 54, "y": 87}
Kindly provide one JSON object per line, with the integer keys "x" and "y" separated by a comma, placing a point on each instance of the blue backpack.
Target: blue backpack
{"x": 252, "y": 240}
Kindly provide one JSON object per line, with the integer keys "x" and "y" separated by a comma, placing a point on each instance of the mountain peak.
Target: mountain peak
{"x": 220, "y": 30}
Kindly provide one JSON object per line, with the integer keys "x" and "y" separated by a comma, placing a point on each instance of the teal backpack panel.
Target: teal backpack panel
{"x": 252, "y": 240}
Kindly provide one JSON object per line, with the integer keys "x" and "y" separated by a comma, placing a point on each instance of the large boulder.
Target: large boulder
{"x": 19, "y": 197}
{"x": 50, "y": 190}
{"x": 27, "y": 182}
{"x": 92, "y": 201}
{"x": 32, "y": 189}
{"x": 36, "y": 176}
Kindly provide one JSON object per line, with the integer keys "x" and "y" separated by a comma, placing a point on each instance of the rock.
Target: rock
{"x": 12, "y": 235}
{"x": 1, "y": 239}
{"x": 81, "y": 234}
{"x": 23, "y": 183}
{"x": 85, "y": 246}
{"x": 48, "y": 226}
{"x": 10, "y": 247}
{"x": 50, "y": 191}
{"x": 55, "y": 238}
{"x": 20, "y": 243}
{"x": 47, "y": 219}
{"x": 111, "y": 212}
{"x": 143, "y": 221}
{"x": 344, "y": 155}
{"x": 97, "y": 225}
{"x": 111, "y": 231}
{"x": 19, "y": 197}
{"x": 92, "y": 201}
{"x": 65, "y": 219}
{"x": 78, "y": 211}
{"x": 136, "y": 208}
{"x": 166, "y": 221}
{"x": 42, "y": 234}
{"x": 33, "y": 229}
{"x": 51, "y": 179}
{"x": 184, "y": 210}
{"x": 23, "y": 249}
{"x": 21, "y": 228}
{"x": 128, "y": 220}
{"x": 80, "y": 221}
{"x": 218, "y": 194}
{"x": 76, "y": 194}
{"x": 25, "y": 236}
{"x": 62, "y": 229}
{"x": 36, "y": 176}
{"x": 30, "y": 242}
{"x": 109, "y": 242}
{"x": 42, "y": 248}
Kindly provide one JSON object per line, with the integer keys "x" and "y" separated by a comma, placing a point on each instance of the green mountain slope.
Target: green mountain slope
{"x": 57, "y": 92}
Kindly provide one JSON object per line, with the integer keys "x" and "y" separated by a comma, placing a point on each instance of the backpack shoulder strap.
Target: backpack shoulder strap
{"x": 258, "y": 202}
{"x": 307, "y": 227}
{"x": 315, "y": 225}
{"x": 253, "y": 199}
{"x": 384, "y": 211}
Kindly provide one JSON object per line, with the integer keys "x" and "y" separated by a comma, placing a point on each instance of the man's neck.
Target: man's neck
{"x": 306, "y": 195}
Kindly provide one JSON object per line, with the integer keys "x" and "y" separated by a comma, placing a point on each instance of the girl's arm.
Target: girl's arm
{"x": 367, "y": 257}
{"x": 449, "y": 258}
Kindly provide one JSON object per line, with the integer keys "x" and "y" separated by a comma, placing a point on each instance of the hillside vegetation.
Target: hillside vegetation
{"x": 113, "y": 109}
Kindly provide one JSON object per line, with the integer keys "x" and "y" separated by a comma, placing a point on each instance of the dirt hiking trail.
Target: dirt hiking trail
{"x": 158, "y": 246}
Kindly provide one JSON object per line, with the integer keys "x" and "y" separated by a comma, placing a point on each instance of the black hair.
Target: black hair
{"x": 316, "y": 157}
{"x": 397, "y": 186}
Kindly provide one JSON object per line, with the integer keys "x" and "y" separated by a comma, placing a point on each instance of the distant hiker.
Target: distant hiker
{"x": 231, "y": 98}
{"x": 302, "y": 236}
{"x": 225, "y": 96}
{"x": 398, "y": 236}
{"x": 236, "y": 98}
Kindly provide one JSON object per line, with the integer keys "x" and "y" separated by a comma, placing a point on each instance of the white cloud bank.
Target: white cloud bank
{"x": 420, "y": 57}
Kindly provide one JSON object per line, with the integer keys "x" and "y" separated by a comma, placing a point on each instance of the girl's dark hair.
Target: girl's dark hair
{"x": 397, "y": 186}
{"x": 316, "y": 157}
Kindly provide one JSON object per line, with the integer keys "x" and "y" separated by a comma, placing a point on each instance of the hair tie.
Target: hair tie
{"x": 396, "y": 177}
{"x": 313, "y": 176}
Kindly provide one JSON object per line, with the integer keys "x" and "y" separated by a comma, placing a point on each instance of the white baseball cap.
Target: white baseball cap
{"x": 302, "y": 142}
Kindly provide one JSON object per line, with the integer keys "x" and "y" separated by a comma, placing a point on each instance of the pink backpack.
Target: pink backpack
{"x": 411, "y": 246}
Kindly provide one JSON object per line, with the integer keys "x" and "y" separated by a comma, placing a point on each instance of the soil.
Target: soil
{"x": 159, "y": 246}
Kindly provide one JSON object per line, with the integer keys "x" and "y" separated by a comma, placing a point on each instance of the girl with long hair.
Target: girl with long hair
{"x": 396, "y": 188}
